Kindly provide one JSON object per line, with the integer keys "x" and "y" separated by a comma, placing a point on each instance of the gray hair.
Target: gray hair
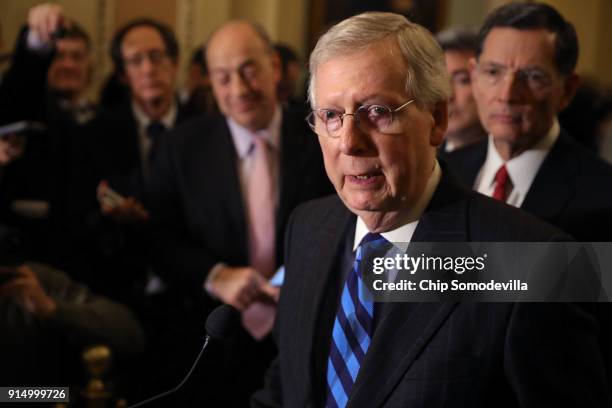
{"x": 426, "y": 78}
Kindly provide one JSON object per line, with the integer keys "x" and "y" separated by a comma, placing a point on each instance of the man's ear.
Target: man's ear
{"x": 570, "y": 86}
{"x": 276, "y": 66}
{"x": 440, "y": 123}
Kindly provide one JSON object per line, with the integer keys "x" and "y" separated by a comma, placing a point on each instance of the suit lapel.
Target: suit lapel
{"x": 445, "y": 218}
{"x": 402, "y": 333}
{"x": 470, "y": 162}
{"x": 207, "y": 178}
{"x": 224, "y": 161}
{"x": 323, "y": 289}
{"x": 126, "y": 120}
{"x": 126, "y": 150}
{"x": 181, "y": 114}
{"x": 553, "y": 180}
{"x": 404, "y": 329}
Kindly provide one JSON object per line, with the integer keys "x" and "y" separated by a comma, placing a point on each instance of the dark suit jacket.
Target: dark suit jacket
{"x": 41, "y": 172}
{"x": 571, "y": 190}
{"x": 23, "y": 87}
{"x": 431, "y": 354}
{"x": 199, "y": 218}
{"x": 196, "y": 201}
{"x": 112, "y": 150}
{"x": 99, "y": 248}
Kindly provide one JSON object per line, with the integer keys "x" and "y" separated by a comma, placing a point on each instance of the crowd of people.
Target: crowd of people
{"x": 136, "y": 217}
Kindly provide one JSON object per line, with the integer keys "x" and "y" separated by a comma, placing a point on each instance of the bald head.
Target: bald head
{"x": 244, "y": 72}
{"x": 245, "y": 26}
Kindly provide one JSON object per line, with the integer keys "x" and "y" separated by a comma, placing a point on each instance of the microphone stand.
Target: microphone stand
{"x": 168, "y": 392}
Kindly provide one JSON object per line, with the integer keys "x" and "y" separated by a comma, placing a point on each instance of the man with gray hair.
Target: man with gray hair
{"x": 378, "y": 93}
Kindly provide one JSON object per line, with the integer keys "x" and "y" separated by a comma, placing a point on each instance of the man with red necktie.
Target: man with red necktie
{"x": 523, "y": 76}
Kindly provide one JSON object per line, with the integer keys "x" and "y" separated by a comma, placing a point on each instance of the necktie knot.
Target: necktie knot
{"x": 502, "y": 184}
{"x": 259, "y": 142}
{"x": 371, "y": 237}
{"x": 502, "y": 175}
{"x": 154, "y": 130}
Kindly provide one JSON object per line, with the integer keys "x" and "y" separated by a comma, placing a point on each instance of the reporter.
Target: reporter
{"x": 46, "y": 82}
{"x": 46, "y": 319}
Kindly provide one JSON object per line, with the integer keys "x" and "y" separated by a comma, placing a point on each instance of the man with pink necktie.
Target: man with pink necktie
{"x": 224, "y": 188}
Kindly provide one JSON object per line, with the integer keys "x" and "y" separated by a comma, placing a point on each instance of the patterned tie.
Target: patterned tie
{"x": 503, "y": 184}
{"x": 351, "y": 334}
{"x": 154, "y": 132}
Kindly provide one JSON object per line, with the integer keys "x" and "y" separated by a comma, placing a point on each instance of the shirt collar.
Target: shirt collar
{"x": 523, "y": 168}
{"x": 143, "y": 120}
{"x": 404, "y": 233}
{"x": 242, "y": 136}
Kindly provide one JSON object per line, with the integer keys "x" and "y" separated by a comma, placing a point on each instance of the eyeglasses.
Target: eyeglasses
{"x": 156, "y": 57}
{"x": 534, "y": 78}
{"x": 377, "y": 117}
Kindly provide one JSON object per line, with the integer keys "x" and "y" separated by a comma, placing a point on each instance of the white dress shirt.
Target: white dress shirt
{"x": 404, "y": 233}
{"x": 242, "y": 138}
{"x": 243, "y": 143}
{"x": 522, "y": 169}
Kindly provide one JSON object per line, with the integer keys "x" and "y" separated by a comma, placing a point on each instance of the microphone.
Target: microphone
{"x": 220, "y": 324}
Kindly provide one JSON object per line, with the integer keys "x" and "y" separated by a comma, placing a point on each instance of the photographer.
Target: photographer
{"x": 45, "y": 83}
{"x": 46, "y": 319}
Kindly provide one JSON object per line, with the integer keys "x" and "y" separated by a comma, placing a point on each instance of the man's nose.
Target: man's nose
{"x": 353, "y": 141}
{"x": 510, "y": 88}
{"x": 239, "y": 85}
{"x": 147, "y": 65}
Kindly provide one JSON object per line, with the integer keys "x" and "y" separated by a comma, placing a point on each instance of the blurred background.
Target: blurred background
{"x": 298, "y": 23}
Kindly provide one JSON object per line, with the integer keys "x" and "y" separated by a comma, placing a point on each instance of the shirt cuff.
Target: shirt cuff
{"x": 36, "y": 44}
{"x": 212, "y": 274}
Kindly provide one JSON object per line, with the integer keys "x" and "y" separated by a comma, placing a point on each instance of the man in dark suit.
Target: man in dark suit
{"x": 117, "y": 149}
{"x": 145, "y": 52}
{"x": 46, "y": 82}
{"x": 380, "y": 116}
{"x": 523, "y": 76}
{"x": 110, "y": 229}
{"x": 222, "y": 192}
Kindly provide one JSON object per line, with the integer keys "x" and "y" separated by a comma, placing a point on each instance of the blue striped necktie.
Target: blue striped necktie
{"x": 351, "y": 334}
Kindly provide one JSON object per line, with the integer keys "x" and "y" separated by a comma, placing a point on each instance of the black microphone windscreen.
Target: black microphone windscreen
{"x": 222, "y": 322}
